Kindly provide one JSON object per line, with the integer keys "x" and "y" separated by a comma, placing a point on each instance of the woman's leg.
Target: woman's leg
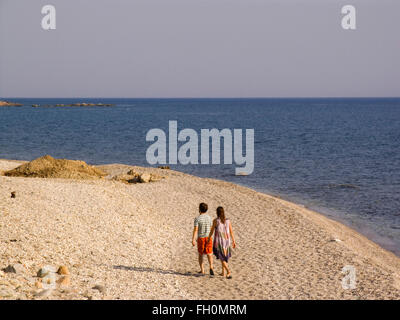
{"x": 225, "y": 264}
{"x": 223, "y": 269}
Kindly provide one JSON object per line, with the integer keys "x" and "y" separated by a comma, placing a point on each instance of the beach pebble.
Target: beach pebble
{"x": 63, "y": 270}
{"x": 44, "y": 271}
{"x": 22, "y": 296}
{"x": 13, "y": 194}
{"x": 145, "y": 178}
{"x": 100, "y": 288}
{"x": 44, "y": 293}
{"x": 15, "y": 268}
{"x": 64, "y": 281}
{"x": 6, "y": 292}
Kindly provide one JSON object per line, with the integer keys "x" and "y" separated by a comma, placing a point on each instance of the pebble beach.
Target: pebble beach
{"x": 108, "y": 238}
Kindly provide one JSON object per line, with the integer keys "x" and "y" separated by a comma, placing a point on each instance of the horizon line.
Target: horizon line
{"x": 323, "y": 97}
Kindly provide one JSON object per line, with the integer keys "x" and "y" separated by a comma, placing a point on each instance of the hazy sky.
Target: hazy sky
{"x": 199, "y": 48}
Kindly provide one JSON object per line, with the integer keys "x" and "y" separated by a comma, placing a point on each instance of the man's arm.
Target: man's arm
{"x": 194, "y": 235}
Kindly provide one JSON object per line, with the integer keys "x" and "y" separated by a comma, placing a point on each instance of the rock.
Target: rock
{"x": 13, "y": 194}
{"x": 145, "y": 178}
{"x": 164, "y": 167}
{"x": 126, "y": 178}
{"x": 133, "y": 173}
{"x": 134, "y": 177}
{"x": 64, "y": 281}
{"x": 63, "y": 270}
{"x": 155, "y": 177}
{"x": 39, "y": 284}
{"x": 9, "y": 104}
{"x": 100, "y": 288}
{"x": 49, "y": 281}
{"x": 44, "y": 271}
{"x": 22, "y": 296}
{"x": 30, "y": 280}
{"x": 6, "y": 292}
{"x": 2, "y": 273}
{"x": 44, "y": 293}
{"x": 15, "y": 268}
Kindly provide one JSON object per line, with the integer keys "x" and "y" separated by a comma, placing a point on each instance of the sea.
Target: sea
{"x": 339, "y": 157}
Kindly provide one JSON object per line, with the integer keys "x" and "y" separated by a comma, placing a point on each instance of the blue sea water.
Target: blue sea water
{"x": 340, "y": 157}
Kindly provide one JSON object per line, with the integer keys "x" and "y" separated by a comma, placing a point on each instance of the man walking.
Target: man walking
{"x": 202, "y": 227}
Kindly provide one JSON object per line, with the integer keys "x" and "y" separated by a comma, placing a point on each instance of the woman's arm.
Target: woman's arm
{"x": 212, "y": 230}
{"x": 232, "y": 236}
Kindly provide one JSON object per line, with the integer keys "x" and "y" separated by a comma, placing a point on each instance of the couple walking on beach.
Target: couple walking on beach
{"x": 204, "y": 228}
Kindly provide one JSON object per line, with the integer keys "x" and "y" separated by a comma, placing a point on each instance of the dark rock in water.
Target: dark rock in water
{"x": 9, "y": 104}
{"x": 348, "y": 186}
{"x": 344, "y": 186}
{"x": 77, "y": 104}
{"x": 13, "y": 194}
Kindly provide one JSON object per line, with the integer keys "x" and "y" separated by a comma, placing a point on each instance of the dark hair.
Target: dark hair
{"x": 203, "y": 207}
{"x": 221, "y": 214}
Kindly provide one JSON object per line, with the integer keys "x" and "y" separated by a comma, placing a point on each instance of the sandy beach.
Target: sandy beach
{"x": 133, "y": 241}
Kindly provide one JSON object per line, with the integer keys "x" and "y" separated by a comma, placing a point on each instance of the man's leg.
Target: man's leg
{"x": 201, "y": 263}
{"x": 210, "y": 261}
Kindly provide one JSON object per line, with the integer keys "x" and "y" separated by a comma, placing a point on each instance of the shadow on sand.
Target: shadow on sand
{"x": 160, "y": 271}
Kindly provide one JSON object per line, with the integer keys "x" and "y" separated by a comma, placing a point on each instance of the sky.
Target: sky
{"x": 199, "y": 48}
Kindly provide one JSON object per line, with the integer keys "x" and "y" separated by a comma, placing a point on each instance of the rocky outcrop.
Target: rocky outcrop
{"x": 78, "y": 104}
{"x": 134, "y": 177}
{"x": 9, "y": 104}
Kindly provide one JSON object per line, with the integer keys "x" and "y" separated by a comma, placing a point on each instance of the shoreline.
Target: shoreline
{"x": 333, "y": 216}
{"x": 285, "y": 251}
{"x": 313, "y": 214}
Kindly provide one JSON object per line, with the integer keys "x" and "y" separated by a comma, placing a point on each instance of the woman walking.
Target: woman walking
{"x": 223, "y": 239}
